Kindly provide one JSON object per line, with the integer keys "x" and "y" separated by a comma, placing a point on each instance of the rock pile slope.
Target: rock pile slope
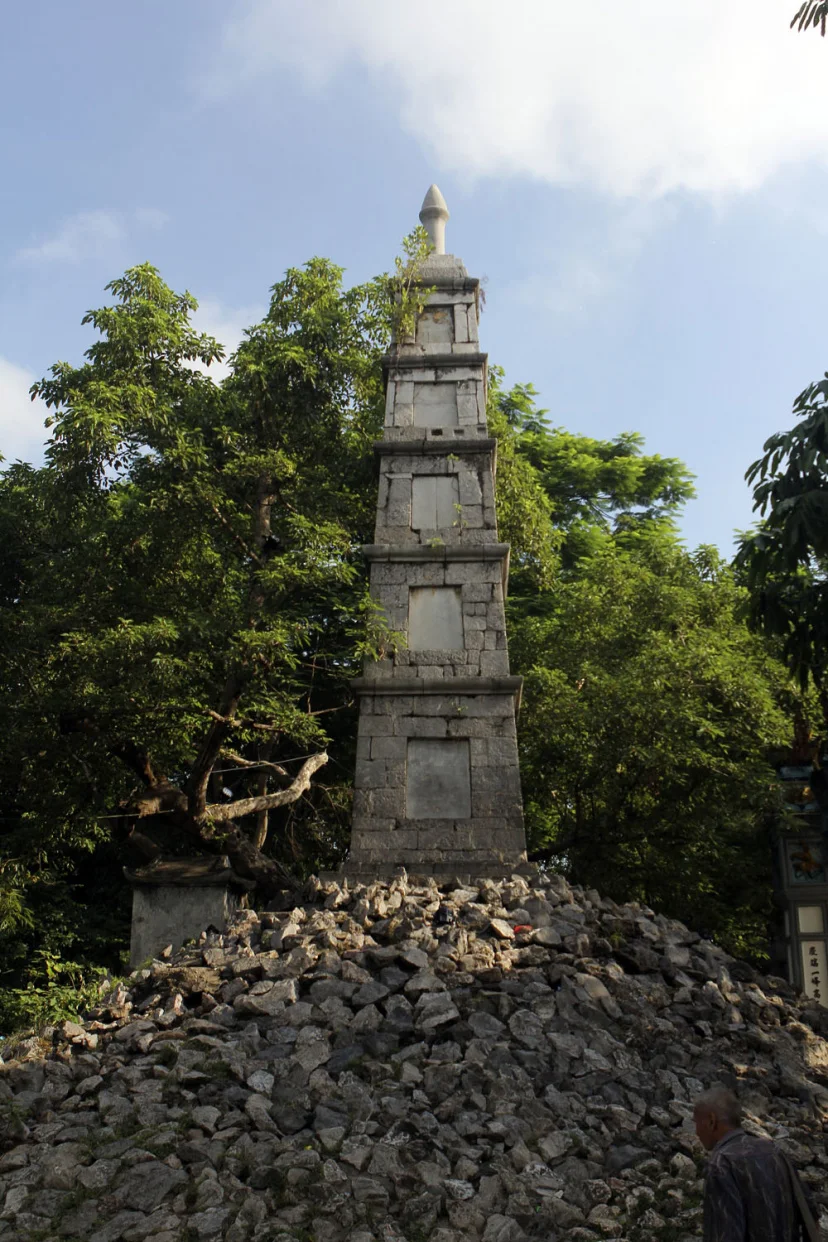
{"x": 396, "y": 1062}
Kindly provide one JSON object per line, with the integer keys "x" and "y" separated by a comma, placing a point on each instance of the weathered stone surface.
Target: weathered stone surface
{"x": 437, "y": 781}
{"x": 462, "y": 1086}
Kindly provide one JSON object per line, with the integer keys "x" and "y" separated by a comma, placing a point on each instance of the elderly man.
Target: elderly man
{"x": 751, "y": 1191}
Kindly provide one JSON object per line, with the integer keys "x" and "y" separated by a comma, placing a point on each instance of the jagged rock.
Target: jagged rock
{"x": 401, "y": 1060}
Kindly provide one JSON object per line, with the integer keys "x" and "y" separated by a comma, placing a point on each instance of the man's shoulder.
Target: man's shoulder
{"x": 742, "y": 1147}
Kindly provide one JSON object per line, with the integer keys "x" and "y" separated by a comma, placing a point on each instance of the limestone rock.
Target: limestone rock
{"x": 365, "y": 1070}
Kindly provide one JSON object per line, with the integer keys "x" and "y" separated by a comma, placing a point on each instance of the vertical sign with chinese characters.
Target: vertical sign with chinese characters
{"x": 814, "y": 970}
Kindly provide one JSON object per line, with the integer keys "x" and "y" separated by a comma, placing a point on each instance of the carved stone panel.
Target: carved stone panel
{"x": 433, "y": 501}
{"x": 435, "y": 618}
{"x": 438, "y": 779}
{"x": 435, "y": 405}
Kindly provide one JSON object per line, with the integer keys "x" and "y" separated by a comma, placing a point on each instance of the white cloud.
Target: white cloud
{"x": 640, "y": 98}
{"x": 227, "y": 326}
{"x": 568, "y": 280}
{"x": 22, "y": 434}
{"x": 90, "y": 234}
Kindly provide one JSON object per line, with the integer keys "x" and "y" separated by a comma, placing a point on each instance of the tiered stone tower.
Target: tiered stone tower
{"x": 437, "y": 779}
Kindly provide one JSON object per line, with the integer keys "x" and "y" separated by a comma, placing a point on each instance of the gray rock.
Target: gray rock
{"x": 624, "y": 1157}
{"x": 434, "y": 1009}
{"x": 457, "y": 1082}
{"x": 145, "y": 1185}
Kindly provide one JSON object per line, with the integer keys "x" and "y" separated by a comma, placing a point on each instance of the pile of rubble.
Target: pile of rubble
{"x": 400, "y": 1062}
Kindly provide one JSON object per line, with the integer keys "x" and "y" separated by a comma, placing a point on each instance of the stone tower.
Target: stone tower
{"x": 437, "y": 782}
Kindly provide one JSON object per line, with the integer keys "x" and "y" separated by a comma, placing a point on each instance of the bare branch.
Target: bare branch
{"x": 218, "y": 812}
{"x": 263, "y": 816}
{"x": 233, "y": 534}
{"x": 254, "y": 763}
{"x": 223, "y": 720}
{"x": 239, "y": 722}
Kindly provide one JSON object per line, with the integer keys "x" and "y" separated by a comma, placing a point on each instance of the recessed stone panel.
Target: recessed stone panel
{"x": 438, "y": 779}
{"x": 435, "y": 619}
{"x": 434, "y": 326}
{"x": 433, "y": 500}
{"x": 435, "y": 405}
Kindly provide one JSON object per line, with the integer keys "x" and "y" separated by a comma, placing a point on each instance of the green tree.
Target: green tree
{"x": 562, "y": 495}
{"x": 183, "y": 597}
{"x": 649, "y": 710}
{"x": 648, "y": 707}
{"x": 784, "y": 560}
{"x": 786, "y": 557}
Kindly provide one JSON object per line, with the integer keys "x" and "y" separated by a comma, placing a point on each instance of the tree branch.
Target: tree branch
{"x": 223, "y": 720}
{"x": 134, "y": 756}
{"x": 233, "y": 534}
{"x": 221, "y": 811}
{"x": 253, "y": 763}
{"x": 240, "y": 722}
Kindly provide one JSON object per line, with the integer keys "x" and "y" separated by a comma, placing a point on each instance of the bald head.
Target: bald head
{"x": 716, "y": 1112}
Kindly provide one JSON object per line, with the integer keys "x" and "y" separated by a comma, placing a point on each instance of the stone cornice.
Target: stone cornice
{"x": 448, "y": 446}
{"x": 425, "y": 362}
{"x": 439, "y": 552}
{"x": 447, "y": 686}
{"x": 457, "y": 284}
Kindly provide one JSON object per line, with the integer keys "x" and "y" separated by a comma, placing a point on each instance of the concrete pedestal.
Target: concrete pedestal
{"x": 177, "y": 899}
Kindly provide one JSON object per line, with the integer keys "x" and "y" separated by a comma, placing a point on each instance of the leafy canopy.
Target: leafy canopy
{"x": 785, "y": 559}
{"x": 649, "y": 709}
{"x": 183, "y": 596}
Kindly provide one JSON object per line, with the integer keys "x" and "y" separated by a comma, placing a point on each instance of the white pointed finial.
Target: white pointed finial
{"x": 433, "y": 216}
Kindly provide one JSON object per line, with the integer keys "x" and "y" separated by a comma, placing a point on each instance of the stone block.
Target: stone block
{"x": 486, "y": 705}
{"x": 388, "y": 747}
{"x": 435, "y": 327}
{"x": 386, "y": 802}
{"x": 399, "y": 494}
{"x": 384, "y": 573}
{"x": 165, "y": 914}
{"x": 401, "y": 838}
{"x": 460, "y": 572}
{"x": 438, "y": 778}
{"x": 500, "y": 750}
{"x": 435, "y": 405}
{"x": 468, "y": 483}
{"x": 374, "y": 726}
{"x": 403, "y": 416}
{"x": 466, "y": 410}
{"x": 446, "y": 836}
{"x": 423, "y": 726}
{"x": 435, "y": 619}
{"x": 371, "y": 773}
{"x": 433, "y": 501}
{"x": 428, "y": 573}
{"x": 464, "y": 726}
{"x": 471, "y": 517}
{"x": 494, "y": 663}
{"x": 436, "y": 655}
{"x": 498, "y": 778}
{"x": 444, "y": 705}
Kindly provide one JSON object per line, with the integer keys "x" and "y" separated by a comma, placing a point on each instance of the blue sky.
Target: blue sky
{"x": 647, "y": 200}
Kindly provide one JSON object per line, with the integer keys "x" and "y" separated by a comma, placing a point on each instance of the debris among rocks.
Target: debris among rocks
{"x": 401, "y": 1061}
